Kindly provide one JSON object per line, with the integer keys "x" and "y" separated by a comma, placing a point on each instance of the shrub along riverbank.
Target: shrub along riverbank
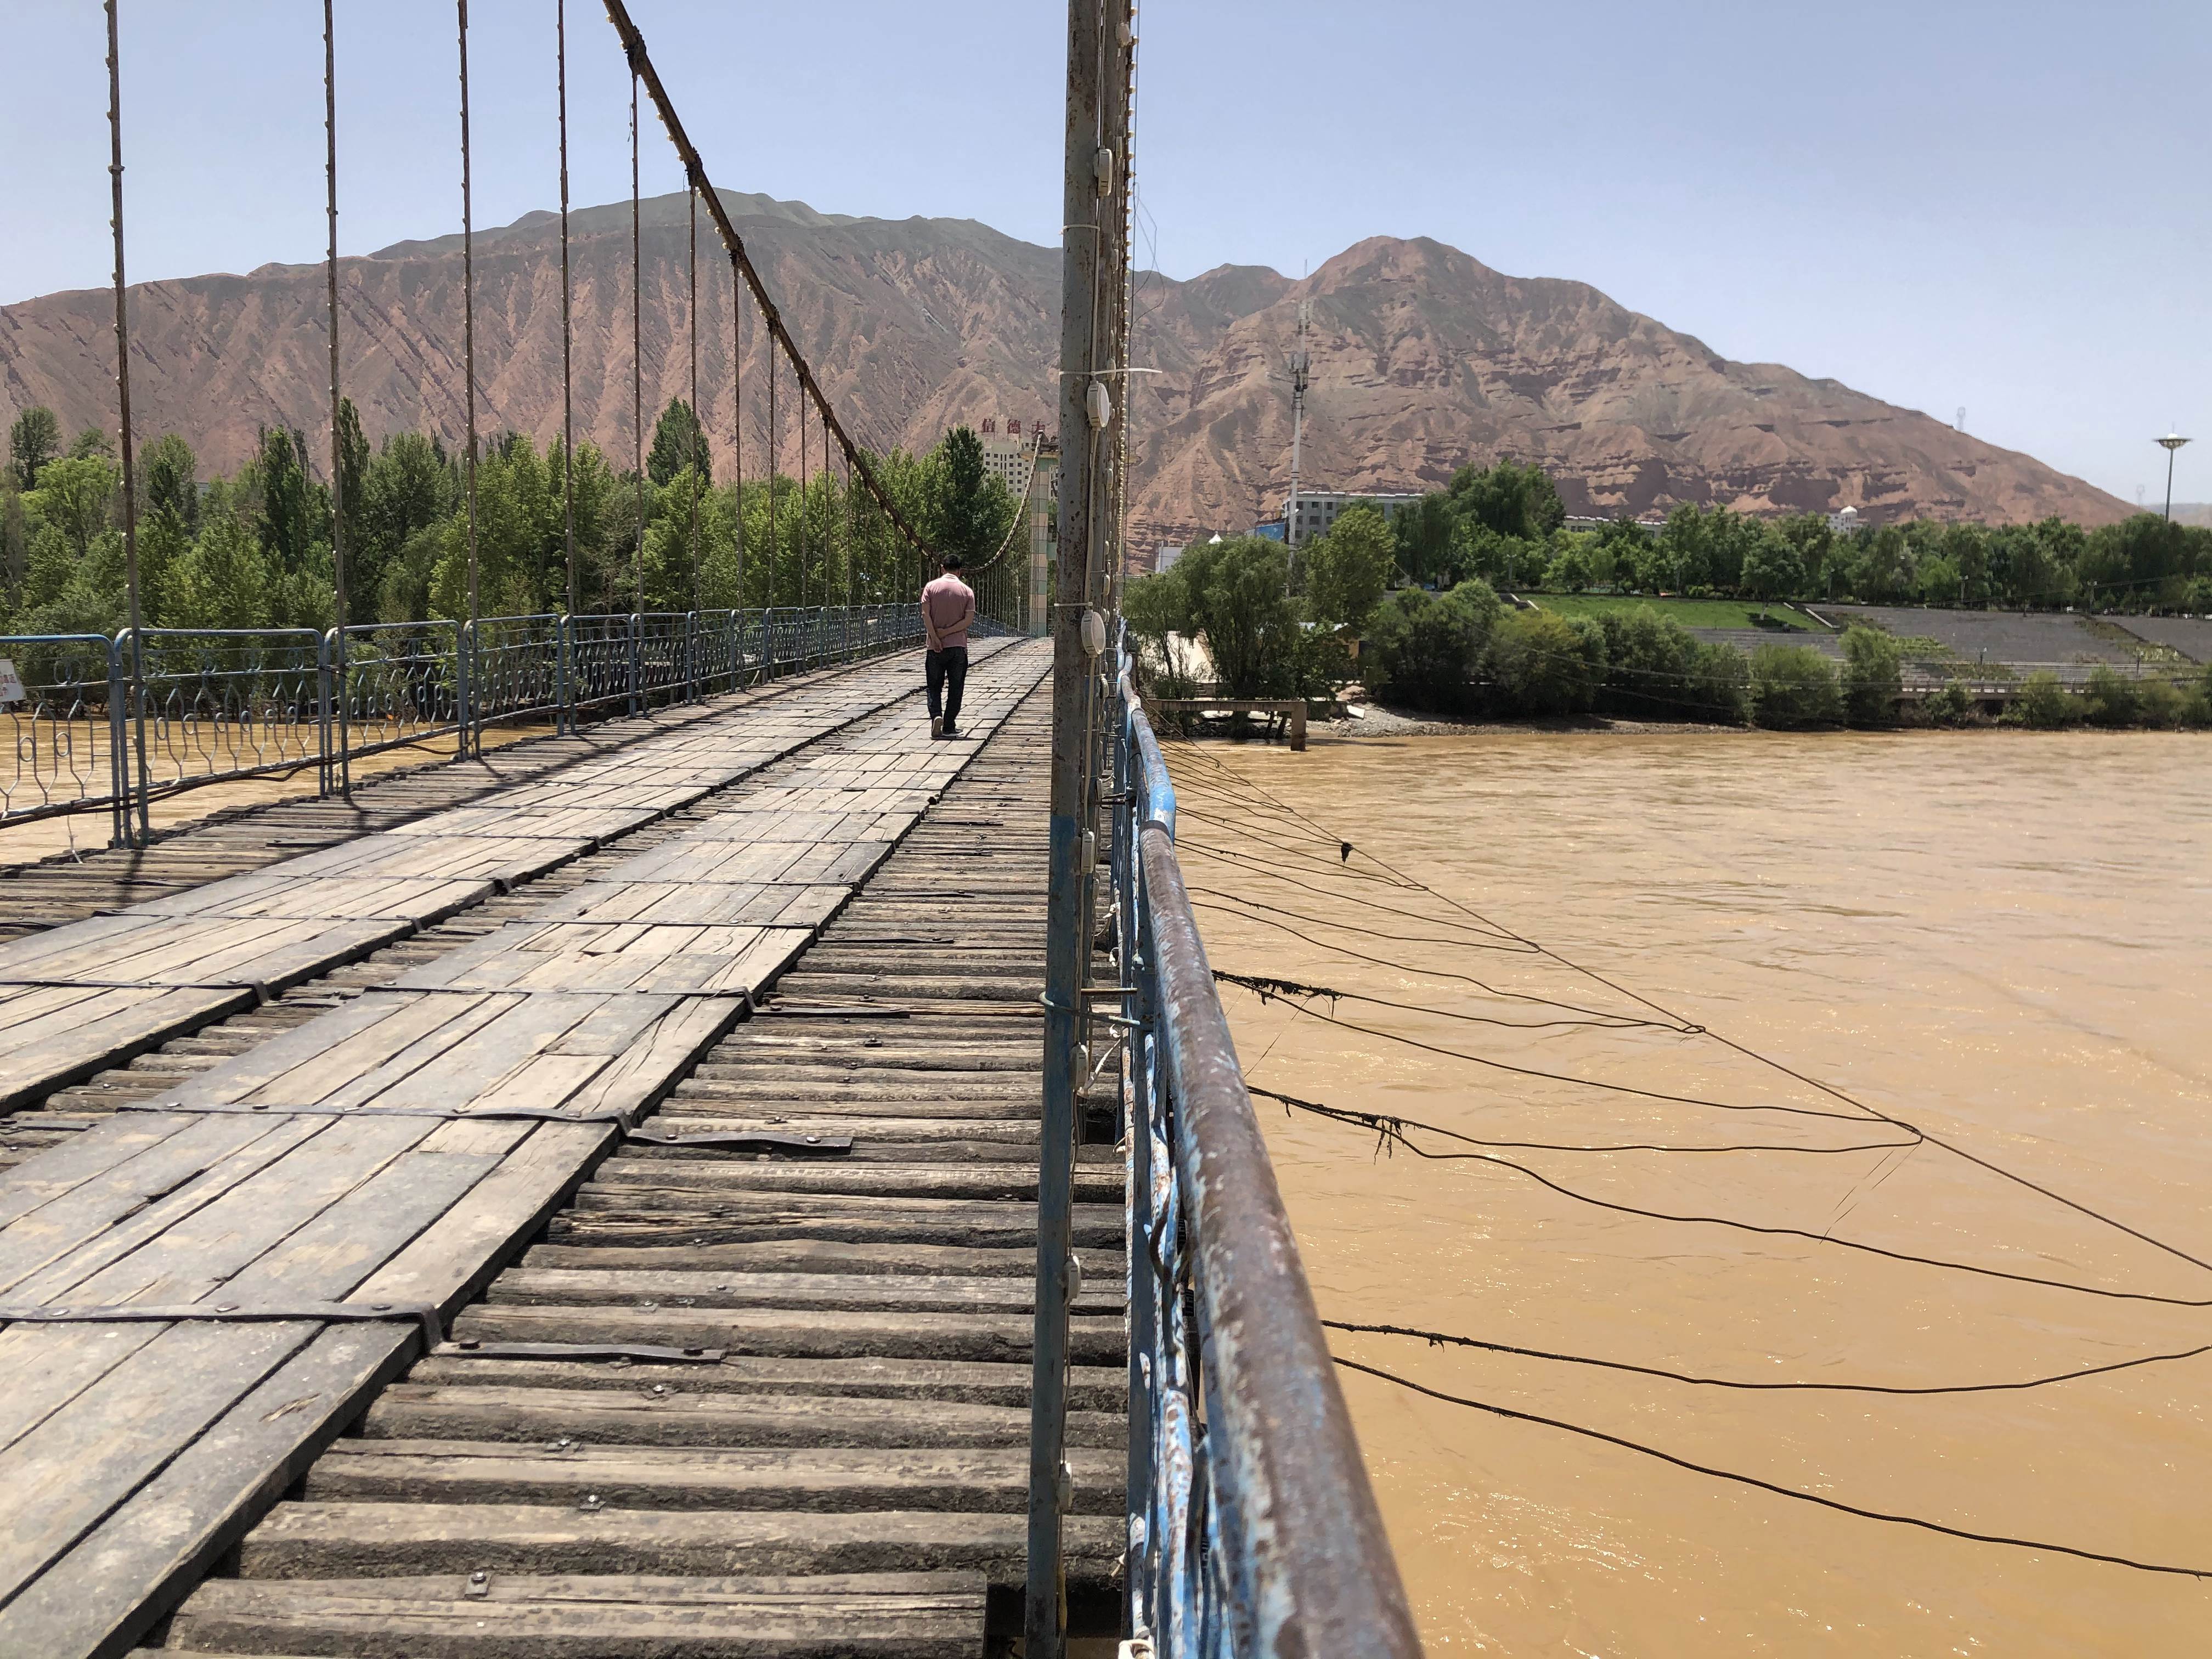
{"x": 1275, "y": 632}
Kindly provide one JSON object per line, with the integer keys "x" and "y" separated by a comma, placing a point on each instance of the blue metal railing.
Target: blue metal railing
{"x": 219, "y": 705}
{"x": 1252, "y": 1528}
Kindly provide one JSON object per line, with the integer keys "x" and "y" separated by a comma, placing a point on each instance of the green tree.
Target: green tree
{"x": 968, "y": 509}
{"x": 1794, "y": 686}
{"x": 1347, "y": 570}
{"x": 679, "y": 441}
{"x": 171, "y": 473}
{"x": 1425, "y": 652}
{"x": 1239, "y": 605}
{"x": 287, "y": 522}
{"x": 2044, "y": 703}
{"x": 1873, "y": 676}
{"x": 75, "y": 496}
{"x": 92, "y": 444}
{"x": 1936, "y": 581}
{"x": 1541, "y": 664}
{"x": 2110, "y": 700}
{"x": 1882, "y": 565}
{"x": 408, "y": 487}
{"x": 1570, "y": 569}
{"x": 1770, "y": 569}
{"x": 1685, "y": 549}
{"x": 33, "y": 439}
{"x": 15, "y": 539}
{"x": 1422, "y": 534}
{"x": 1156, "y": 609}
{"x": 226, "y": 580}
{"x": 1520, "y": 501}
{"x": 1656, "y": 669}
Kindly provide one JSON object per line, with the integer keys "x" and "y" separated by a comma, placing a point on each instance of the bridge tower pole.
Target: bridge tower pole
{"x": 1100, "y": 54}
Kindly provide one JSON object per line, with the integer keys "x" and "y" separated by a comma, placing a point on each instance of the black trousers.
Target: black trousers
{"x": 945, "y": 673}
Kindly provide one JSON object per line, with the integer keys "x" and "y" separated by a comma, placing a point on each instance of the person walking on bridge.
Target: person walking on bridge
{"x": 948, "y": 606}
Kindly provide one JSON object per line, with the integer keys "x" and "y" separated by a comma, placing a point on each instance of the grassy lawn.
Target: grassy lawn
{"x": 1691, "y": 613}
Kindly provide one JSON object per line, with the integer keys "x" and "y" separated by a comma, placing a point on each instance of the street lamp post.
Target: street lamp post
{"x": 2171, "y": 442}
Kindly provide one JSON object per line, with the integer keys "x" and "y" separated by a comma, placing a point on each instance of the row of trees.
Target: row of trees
{"x": 1273, "y": 627}
{"x": 253, "y": 549}
{"x": 1506, "y": 525}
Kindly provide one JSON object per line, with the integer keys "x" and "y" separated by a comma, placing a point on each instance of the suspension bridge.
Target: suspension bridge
{"x": 700, "y": 1168}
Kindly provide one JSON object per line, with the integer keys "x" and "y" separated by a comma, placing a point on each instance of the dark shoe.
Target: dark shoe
{"x": 952, "y": 731}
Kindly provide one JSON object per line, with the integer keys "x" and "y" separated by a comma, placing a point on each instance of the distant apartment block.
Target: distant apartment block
{"x": 1311, "y": 512}
{"x": 1006, "y": 454}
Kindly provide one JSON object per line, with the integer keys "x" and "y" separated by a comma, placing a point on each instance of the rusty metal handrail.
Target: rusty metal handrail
{"x": 1253, "y": 1529}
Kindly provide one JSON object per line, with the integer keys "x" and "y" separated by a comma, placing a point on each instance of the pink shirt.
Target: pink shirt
{"x": 948, "y": 606}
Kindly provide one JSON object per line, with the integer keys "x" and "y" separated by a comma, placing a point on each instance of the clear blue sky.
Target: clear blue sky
{"x": 1954, "y": 202}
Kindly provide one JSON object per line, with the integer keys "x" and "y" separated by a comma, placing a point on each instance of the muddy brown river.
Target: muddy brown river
{"x": 1998, "y": 942}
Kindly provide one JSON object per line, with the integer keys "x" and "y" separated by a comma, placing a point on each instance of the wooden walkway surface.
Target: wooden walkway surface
{"x": 54, "y": 1033}
{"x": 843, "y": 1212}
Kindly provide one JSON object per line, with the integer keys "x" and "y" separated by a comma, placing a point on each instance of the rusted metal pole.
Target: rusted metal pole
{"x": 636, "y": 351}
{"x": 123, "y": 404}
{"x": 567, "y": 327}
{"x": 338, "y": 502}
{"x": 467, "y": 635}
{"x": 1071, "y": 851}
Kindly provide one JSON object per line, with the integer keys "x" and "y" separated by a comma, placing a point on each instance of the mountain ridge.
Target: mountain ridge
{"x": 1424, "y": 359}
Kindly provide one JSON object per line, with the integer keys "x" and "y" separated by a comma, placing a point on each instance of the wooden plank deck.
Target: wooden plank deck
{"x": 171, "y": 956}
{"x": 345, "y": 1141}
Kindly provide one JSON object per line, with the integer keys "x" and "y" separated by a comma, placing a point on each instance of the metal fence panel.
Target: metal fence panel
{"x": 67, "y": 732}
{"x": 225, "y": 704}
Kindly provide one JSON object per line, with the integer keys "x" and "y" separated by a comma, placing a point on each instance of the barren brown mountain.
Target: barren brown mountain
{"x": 1423, "y": 360}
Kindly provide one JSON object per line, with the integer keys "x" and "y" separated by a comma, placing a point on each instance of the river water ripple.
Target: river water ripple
{"x": 2003, "y": 939}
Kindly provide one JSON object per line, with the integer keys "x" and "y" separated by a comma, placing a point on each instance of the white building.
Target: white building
{"x": 1006, "y": 454}
{"x": 1844, "y": 522}
{"x": 1313, "y": 511}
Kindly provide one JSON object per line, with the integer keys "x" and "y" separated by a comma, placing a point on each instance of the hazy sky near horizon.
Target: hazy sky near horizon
{"x": 2001, "y": 206}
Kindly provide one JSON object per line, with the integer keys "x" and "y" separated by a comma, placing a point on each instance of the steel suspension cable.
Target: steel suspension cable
{"x": 804, "y": 532}
{"x": 698, "y": 426}
{"x": 773, "y": 458}
{"x": 636, "y": 353}
{"x": 338, "y": 502}
{"x": 468, "y": 345}
{"x": 737, "y": 427}
{"x": 641, "y": 63}
{"x": 123, "y": 411}
{"x": 567, "y": 327}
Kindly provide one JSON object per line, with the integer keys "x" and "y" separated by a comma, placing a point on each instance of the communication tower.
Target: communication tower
{"x": 1301, "y": 363}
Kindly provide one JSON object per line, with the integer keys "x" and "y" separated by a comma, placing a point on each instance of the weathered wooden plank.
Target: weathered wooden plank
{"x": 800, "y": 1256}
{"x": 914, "y": 1291}
{"x": 1091, "y": 1387}
{"x": 281, "y": 894}
{"x": 299, "y": 1539}
{"x": 151, "y": 1188}
{"x": 703, "y": 903}
{"x": 796, "y": 1333}
{"x": 617, "y": 955}
{"x": 932, "y": 1476}
{"x": 539, "y": 1616}
{"x": 669, "y": 1409}
{"x": 707, "y": 1219}
{"x": 80, "y": 1033}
